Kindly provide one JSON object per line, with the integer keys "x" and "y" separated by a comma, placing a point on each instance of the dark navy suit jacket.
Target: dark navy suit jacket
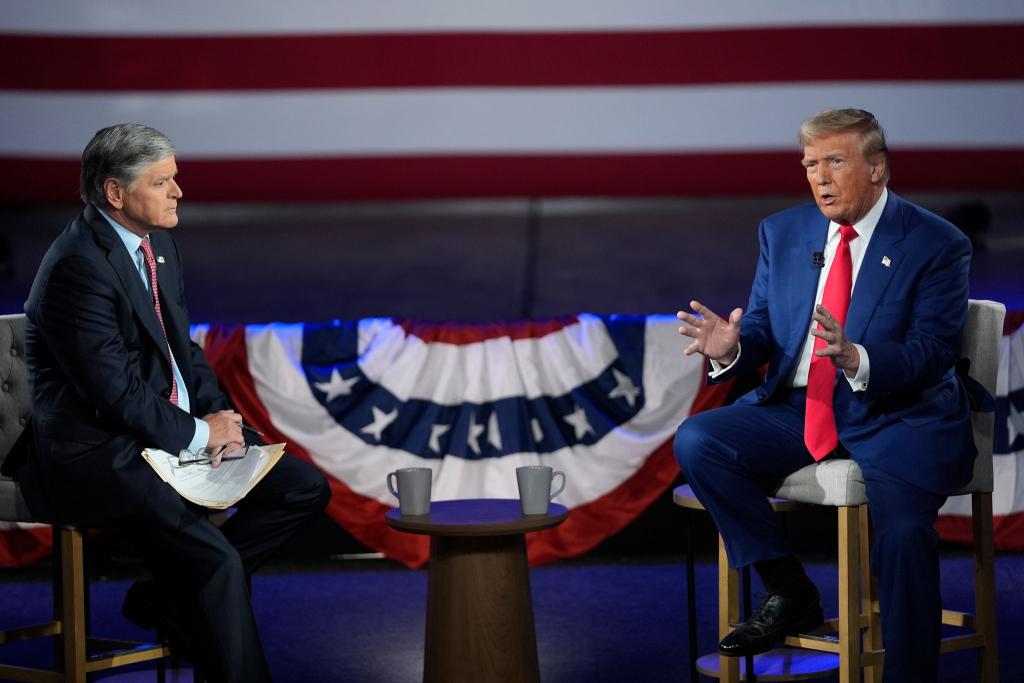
{"x": 913, "y": 421}
{"x": 100, "y": 374}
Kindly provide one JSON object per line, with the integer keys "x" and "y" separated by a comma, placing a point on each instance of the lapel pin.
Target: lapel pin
{"x": 160, "y": 259}
{"x": 886, "y": 261}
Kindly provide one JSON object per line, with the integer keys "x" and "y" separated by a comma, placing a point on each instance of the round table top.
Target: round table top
{"x": 476, "y": 517}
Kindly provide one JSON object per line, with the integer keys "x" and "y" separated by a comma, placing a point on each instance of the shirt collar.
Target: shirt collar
{"x": 865, "y": 227}
{"x": 132, "y": 242}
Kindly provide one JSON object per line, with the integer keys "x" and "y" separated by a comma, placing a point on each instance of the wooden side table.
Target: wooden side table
{"x": 479, "y": 609}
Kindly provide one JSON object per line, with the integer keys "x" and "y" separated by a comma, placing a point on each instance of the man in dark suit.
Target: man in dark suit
{"x": 867, "y": 374}
{"x": 113, "y": 371}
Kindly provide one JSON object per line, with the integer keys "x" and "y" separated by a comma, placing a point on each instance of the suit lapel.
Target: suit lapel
{"x": 881, "y": 261}
{"x": 804, "y": 280}
{"x": 124, "y": 266}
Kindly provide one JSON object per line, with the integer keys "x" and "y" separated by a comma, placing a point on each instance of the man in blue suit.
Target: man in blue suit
{"x": 868, "y": 375}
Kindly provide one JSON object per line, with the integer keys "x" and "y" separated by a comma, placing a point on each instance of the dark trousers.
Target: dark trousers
{"x": 730, "y": 454}
{"x": 205, "y": 570}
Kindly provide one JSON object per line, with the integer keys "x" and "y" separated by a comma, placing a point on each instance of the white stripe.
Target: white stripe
{"x": 670, "y": 380}
{"x": 511, "y": 120}
{"x": 449, "y": 374}
{"x": 202, "y": 17}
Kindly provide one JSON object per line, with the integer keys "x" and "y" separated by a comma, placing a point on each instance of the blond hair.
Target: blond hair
{"x": 864, "y": 123}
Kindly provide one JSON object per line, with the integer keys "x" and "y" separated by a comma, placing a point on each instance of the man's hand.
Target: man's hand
{"x": 838, "y": 348}
{"x": 715, "y": 337}
{"x": 225, "y": 434}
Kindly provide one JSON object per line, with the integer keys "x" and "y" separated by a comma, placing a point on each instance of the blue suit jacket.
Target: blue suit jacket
{"x": 913, "y": 421}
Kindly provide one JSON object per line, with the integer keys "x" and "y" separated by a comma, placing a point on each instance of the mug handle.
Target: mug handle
{"x": 393, "y": 476}
{"x": 560, "y": 488}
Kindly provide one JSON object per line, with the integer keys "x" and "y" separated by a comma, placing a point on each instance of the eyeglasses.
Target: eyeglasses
{"x": 205, "y": 455}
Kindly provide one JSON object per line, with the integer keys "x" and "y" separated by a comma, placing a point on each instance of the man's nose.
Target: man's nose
{"x": 176, "y": 190}
{"x": 822, "y": 176}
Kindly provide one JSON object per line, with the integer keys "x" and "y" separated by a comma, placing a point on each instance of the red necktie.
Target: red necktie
{"x": 147, "y": 252}
{"x": 819, "y": 420}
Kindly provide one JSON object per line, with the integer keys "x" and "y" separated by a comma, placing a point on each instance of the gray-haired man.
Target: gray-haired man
{"x": 113, "y": 371}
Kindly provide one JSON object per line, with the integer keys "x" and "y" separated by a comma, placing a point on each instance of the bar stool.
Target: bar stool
{"x": 780, "y": 664}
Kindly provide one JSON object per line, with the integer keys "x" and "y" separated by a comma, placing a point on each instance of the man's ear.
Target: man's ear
{"x": 878, "y": 168}
{"x": 114, "y": 193}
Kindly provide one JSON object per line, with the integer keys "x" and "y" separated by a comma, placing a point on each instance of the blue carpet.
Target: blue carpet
{"x": 597, "y": 620}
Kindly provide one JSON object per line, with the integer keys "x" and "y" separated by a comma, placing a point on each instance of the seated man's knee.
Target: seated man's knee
{"x": 311, "y": 488}
{"x": 691, "y": 444}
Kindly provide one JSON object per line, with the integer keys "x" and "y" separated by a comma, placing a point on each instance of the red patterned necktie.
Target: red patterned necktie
{"x": 147, "y": 252}
{"x": 819, "y": 420}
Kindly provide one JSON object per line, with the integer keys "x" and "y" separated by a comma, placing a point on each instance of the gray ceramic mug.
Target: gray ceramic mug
{"x": 535, "y": 488}
{"x": 411, "y": 486}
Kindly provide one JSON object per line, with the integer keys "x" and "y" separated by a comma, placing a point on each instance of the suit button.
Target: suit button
{"x": 22, "y": 421}
{"x": 5, "y": 386}
{"x": 14, "y": 351}
{"x": 761, "y": 395}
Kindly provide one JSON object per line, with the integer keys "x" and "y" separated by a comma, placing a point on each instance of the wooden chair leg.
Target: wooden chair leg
{"x": 73, "y": 637}
{"x": 868, "y": 591}
{"x": 728, "y": 611}
{"x": 849, "y": 605}
{"x": 985, "y": 586}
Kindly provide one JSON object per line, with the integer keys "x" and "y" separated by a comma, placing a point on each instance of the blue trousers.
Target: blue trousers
{"x": 730, "y": 454}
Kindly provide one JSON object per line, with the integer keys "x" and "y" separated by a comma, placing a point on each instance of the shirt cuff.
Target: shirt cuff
{"x": 859, "y": 382}
{"x": 201, "y": 437}
{"x": 719, "y": 369}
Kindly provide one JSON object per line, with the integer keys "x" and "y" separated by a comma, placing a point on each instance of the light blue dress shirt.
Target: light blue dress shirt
{"x": 133, "y": 243}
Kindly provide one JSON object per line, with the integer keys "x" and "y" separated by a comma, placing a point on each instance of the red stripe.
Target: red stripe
{"x": 113, "y": 63}
{"x": 20, "y": 546}
{"x": 1007, "y": 530}
{"x": 1013, "y": 320}
{"x": 471, "y": 333}
{"x": 476, "y": 176}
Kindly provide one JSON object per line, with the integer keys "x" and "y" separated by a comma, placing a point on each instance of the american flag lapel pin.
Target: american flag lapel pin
{"x": 886, "y": 261}
{"x": 160, "y": 259}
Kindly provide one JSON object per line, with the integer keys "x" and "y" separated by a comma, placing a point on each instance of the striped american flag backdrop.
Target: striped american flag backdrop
{"x": 324, "y": 100}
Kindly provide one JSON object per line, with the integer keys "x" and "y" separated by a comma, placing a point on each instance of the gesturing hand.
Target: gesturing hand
{"x": 838, "y": 348}
{"x": 715, "y": 337}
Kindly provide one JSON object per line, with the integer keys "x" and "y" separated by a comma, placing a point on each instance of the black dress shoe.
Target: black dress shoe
{"x": 145, "y": 607}
{"x": 776, "y": 617}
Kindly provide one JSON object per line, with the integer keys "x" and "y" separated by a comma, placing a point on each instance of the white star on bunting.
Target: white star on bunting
{"x": 538, "y": 432}
{"x": 624, "y": 387}
{"x": 436, "y": 431}
{"x": 493, "y": 432}
{"x": 578, "y": 420}
{"x": 473, "y": 434}
{"x": 337, "y": 385}
{"x": 381, "y": 421}
{"x": 1014, "y": 424}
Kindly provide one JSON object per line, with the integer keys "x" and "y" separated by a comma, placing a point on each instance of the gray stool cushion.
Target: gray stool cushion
{"x": 829, "y": 482}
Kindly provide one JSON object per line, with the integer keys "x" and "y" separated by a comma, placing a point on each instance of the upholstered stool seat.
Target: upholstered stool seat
{"x": 77, "y": 653}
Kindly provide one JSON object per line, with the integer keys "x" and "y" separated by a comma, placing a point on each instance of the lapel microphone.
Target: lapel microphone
{"x": 818, "y": 259}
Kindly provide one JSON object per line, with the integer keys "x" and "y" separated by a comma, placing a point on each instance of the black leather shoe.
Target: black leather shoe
{"x": 145, "y": 607}
{"x": 776, "y": 617}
